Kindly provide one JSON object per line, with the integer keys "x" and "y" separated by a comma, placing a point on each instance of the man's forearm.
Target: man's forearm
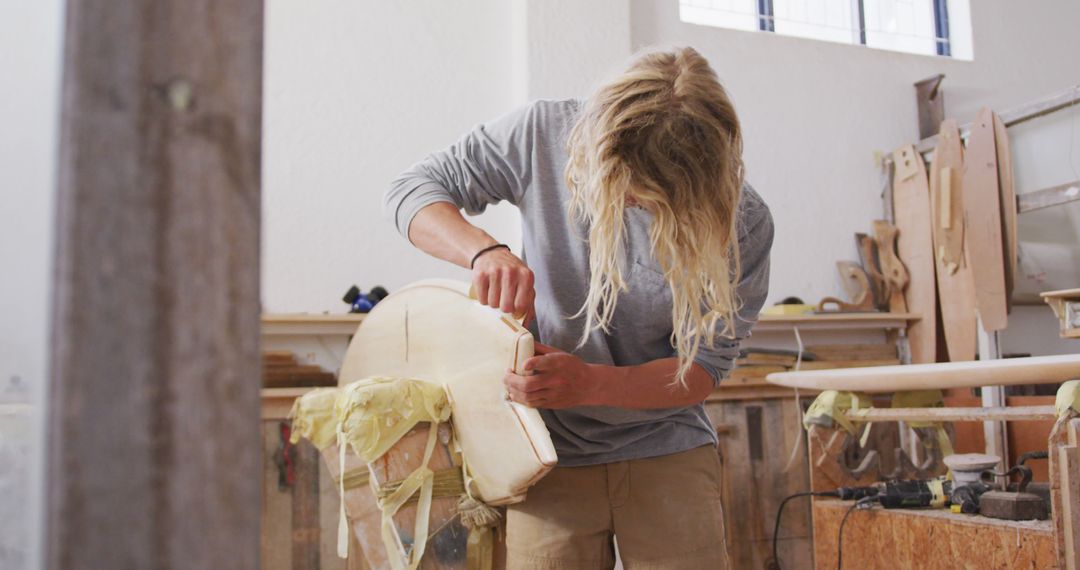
{"x": 649, "y": 385}
{"x": 441, "y": 231}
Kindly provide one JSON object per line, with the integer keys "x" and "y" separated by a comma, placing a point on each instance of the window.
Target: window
{"x": 928, "y": 27}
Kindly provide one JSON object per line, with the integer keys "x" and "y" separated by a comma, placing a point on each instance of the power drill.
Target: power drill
{"x": 901, "y": 494}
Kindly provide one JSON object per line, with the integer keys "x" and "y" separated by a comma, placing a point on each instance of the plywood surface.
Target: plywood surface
{"x": 911, "y": 206}
{"x": 929, "y": 539}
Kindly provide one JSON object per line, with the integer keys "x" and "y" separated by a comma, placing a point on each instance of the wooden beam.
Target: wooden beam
{"x": 1011, "y": 414}
{"x": 1017, "y": 115}
{"x": 1048, "y": 197}
{"x": 153, "y": 459}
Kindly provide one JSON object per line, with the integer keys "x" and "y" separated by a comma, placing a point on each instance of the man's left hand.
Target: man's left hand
{"x": 555, "y": 379}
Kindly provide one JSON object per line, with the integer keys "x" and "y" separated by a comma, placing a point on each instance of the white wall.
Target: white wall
{"x": 355, "y": 92}
{"x": 352, "y": 99}
{"x": 30, "y": 40}
{"x": 814, "y": 112}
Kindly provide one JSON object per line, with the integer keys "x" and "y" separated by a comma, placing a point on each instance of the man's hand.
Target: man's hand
{"x": 555, "y": 379}
{"x": 504, "y": 282}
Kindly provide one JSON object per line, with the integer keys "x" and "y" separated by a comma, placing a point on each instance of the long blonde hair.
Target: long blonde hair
{"x": 662, "y": 136}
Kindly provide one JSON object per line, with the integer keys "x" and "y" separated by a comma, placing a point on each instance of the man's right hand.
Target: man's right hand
{"x": 503, "y": 281}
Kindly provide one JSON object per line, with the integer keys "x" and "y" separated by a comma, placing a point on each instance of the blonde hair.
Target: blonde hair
{"x": 662, "y": 136}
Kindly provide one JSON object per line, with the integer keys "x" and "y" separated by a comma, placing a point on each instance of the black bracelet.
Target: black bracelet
{"x": 472, "y": 263}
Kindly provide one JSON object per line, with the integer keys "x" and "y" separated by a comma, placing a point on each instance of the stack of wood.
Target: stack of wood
{"x": 754, "y": 364}
{"x": 282, "y": 370}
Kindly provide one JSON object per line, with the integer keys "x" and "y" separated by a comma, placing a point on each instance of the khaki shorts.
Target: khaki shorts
{"x": 665, "y": 512}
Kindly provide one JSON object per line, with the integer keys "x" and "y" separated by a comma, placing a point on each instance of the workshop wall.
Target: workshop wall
{"x": 351, "y": 100}
{"x": 355, "y": 92}
{"x": 814, "y": 112}
{"x": 30, "y": 49}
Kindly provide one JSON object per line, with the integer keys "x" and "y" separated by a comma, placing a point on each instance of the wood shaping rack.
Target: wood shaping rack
{"x": 989, "y": 343}
{"x": 938, "y": 538}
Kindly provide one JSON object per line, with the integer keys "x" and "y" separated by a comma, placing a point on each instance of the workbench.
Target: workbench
{"x": 938, "y": 538}
{"x": 757, "y": 426}
{"x": 761, "y": 447}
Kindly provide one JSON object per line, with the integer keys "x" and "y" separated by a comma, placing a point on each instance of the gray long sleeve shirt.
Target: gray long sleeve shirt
{"x": 520, "y": 158}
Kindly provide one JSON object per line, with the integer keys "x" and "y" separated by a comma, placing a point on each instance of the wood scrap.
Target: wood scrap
{"x": 1007, "y": 189}
{"x": 281, "y": 370}
{"x": 982, "y": 219}
{"x": 914, "y": 245}
{"x": 955, "y": 283}
{"x": 868, "y": 256}
{"x": 853, "y": 351}
{"x": 892, "y": 268}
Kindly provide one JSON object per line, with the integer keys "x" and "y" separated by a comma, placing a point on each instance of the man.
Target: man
{"x": 645, "y": 261}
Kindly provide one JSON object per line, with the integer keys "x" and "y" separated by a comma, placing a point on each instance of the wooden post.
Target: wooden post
{"x": 153, "y": 443}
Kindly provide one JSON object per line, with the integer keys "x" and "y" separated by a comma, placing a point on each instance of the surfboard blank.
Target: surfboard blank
{"x": 911, "y": 377}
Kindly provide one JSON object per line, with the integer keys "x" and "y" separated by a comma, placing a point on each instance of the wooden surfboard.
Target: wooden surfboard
{"x": 911, "y": 206}
{"x": 982, "y": 223}
{"x": 944, "y": 375}
{"x": 1008, "y": 205}
{"x": 955, "y": 284}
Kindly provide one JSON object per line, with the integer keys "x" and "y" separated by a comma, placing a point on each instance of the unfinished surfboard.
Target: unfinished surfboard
{"x": 955, "y": 284}
{"x": 432, "y": 331}
{"x": 912, "y": 377}
{"x": 911, "y": 206}
{"x": 1008, "y": 205}
{"x": 982, "y": 223}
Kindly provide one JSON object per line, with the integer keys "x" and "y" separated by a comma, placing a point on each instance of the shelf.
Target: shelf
{"x": 837, "y": 321}
{"x": 310, "y": 324}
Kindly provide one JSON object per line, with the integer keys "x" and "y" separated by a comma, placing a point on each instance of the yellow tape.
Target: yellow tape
{"x": 1068, "y": 398}
{"x": 371, "y": 416}
{"x": 830, "y": 408}
{"x": 313, "y": 417}
{"x": 926, "y": 399}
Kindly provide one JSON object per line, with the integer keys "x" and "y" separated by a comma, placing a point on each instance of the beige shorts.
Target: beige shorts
{"x": 665, "y": 512}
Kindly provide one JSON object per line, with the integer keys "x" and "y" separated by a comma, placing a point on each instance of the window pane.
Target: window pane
{"x": 736, "y": 14}
{"x": 830, "y": 20}
{"x": 901, "y": 25}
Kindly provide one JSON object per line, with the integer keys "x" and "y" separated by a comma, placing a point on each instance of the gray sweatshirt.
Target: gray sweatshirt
{"x": 520, "y": 158}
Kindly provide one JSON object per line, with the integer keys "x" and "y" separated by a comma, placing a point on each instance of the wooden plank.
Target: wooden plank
{"x": 852, "y": 351}
{"x": 893, "y": 270}
{"x": 982, "y": 218}
{"x": 153, "y": 457}
{"x": 1013, "y": 414}
{"x": 1026, "y": 112}
{"x": 933, "y": 539}
{"x": 329, "y": 508}
{"x": 278, "y": 402}
{"x": 911, "y": 204}
{"x": 1048, "y": 197}
{"x": 881, "y": 379}
{"x": 1006, "y": 187}
{"x": 275, "y": 538}
{"x": 306, "y": 527}
{"x": 955, "y": 282}
{"x": 308, "y": 324}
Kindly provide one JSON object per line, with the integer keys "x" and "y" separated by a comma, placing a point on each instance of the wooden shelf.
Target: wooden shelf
{"x": 310, "y": 324}
{"x": 277, "y": 402}
{"x": 837, "y": 321}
